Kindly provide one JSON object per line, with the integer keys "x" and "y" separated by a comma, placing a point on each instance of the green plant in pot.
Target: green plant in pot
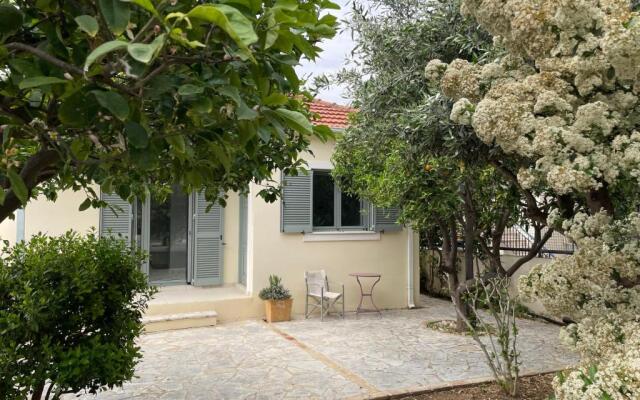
{"x": 277, "y": 300}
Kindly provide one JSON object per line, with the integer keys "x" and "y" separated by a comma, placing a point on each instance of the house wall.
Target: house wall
{"x": 289, "y": 255}
{"x": 53, "y": 218}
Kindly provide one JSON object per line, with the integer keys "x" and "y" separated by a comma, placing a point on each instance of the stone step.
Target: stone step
{"x": 167, "y": 322}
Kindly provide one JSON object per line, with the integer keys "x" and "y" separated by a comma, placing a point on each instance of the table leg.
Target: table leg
{"x": 361, "y": 295}
{"x": 371, "y": 294}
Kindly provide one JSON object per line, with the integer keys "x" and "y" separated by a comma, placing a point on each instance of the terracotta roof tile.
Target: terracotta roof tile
{"x": 331, "y": 114}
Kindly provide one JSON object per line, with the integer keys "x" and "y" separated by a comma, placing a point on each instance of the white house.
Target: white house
{"x": 219, "y": 260}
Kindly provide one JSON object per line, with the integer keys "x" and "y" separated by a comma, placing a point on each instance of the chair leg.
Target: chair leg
{"x": 343, "y": 306}
{"x": 322, "y": 309}
{"x": 306, "y": 308}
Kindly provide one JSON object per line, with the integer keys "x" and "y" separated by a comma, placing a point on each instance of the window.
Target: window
{"x": 332, "y": 209}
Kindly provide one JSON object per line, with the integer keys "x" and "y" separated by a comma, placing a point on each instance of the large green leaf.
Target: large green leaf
{"x": 88, "y": 24}
{"x": 116, "y": 13}
{"x": 146, "y": 52}
{"x": 103, "y": 50}
{"x": 40, "y": 81}
{"x": 147, "y": 5}
{"x": 10, "y": 19}
{"x": 230, "y": 20}
{"x": 189, "y": 89}
{"x": 17, "y": 186}
{"x": 78, "y": 110}
{"x": 295, "y": 120}
{"x": 113, "y": 102}
{"x": 136, "y": 135}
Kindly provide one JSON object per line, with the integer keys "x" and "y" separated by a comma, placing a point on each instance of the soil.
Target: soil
{"x": 536, "y": 387}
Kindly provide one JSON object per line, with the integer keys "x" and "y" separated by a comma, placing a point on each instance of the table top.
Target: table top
{"x": 366, "y": 274}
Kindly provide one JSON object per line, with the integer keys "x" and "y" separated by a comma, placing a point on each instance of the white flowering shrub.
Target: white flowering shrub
{"x": 564, "y": 99}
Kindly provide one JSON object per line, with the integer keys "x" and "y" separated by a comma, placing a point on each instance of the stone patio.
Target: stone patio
{"x": 360, "y": 357}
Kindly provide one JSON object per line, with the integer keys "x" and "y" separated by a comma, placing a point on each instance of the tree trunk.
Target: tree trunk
{"x": 600, "y": 200}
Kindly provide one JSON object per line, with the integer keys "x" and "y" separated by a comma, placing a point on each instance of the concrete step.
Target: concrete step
{"x": 167, "y": 322}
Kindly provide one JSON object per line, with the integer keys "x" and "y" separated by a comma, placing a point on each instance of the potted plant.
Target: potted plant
{"x": 277, "y": 300}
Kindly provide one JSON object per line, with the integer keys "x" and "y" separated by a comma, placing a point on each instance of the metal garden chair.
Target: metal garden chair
{"x": 320, "y": 295}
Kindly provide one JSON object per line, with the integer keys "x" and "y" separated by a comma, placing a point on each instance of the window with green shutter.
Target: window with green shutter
{"x": 312, "y": 202}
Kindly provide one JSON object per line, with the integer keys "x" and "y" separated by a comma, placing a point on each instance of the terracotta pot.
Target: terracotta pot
{"x": 278, "y": 310}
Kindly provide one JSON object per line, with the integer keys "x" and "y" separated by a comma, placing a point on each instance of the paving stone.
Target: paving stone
{"x": 337, "y": 359}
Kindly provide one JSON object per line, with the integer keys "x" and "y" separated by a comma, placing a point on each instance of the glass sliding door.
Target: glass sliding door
{"x": 169, "y": 239}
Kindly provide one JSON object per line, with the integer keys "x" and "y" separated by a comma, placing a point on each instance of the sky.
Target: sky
{"x": 332, "y": 58}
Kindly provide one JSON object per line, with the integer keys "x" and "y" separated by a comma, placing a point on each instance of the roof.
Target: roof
{"x": 333, "y": 115}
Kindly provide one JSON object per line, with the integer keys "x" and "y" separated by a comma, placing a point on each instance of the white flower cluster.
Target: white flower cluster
{"x": 597, "y": 287}
{"x": 566, "y": 98}
{"x": 566, "y": 112}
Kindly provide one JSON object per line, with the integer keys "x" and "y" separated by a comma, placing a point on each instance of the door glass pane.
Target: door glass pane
{"x": 350, "y": 210}
{"x": 323, "y": 200}
{"x": 168, "y": 232}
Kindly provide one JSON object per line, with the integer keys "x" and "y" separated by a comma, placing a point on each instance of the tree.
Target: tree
{"x": 136, "y": 95}
{"x": 402, "y": 149}
{"x": 70, "y": 312}
{"x": 564, "y": 100}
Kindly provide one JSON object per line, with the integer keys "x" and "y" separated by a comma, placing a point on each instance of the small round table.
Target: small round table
{"x": 369, "y": 294}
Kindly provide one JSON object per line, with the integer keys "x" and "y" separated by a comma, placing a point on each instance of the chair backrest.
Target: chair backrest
{"x": 316, "y": 280}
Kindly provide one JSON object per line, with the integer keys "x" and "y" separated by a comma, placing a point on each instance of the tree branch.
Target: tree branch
{"x": 45, "y": 56}
{"x": 32, "y": 176}
{"x": 535, "y": 249}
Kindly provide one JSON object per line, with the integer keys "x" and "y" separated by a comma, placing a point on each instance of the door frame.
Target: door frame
{"x": 145, "y": 235}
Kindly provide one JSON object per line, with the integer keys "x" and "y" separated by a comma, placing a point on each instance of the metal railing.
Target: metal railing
{"x": 518, "y": 241}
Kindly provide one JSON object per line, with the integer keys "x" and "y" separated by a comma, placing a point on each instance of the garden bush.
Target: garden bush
{"x": 70, "y": 312}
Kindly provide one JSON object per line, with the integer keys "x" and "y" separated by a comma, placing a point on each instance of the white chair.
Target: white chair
{"x": 318, "y": 291}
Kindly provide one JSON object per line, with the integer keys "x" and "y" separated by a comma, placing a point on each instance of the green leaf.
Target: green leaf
{"x": 147, "y": 5}
{"x": 17, "y": 186}
{"x": 275, "y": 99}
{"x": 85, "y": 204}
{"x": 78, "y": 110}
{"x": 221, "y": 156}
{"x": 243, "y": 112}
{"x": 190, "y": 89}
{"x": 87, "y": 24}
{"x": 146, "y": 52}
{"x": 177, "y": 142}
{"x": 102, "y": 50}
{"x": 39, "y": 81}
{"x": 10, "y": 19}
{"x": 330, "y": 5}
{"x": 116, "y": 13}
{"x": 113, "y": 102}
{"x": 136, "y": 135}
{"x": 81, "y": 148}
{"x": 289, "y": 5}
{"x": 230, "y": 20}
{"x": 295, "y": 120}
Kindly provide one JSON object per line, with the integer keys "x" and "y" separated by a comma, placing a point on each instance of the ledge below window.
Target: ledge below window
{"x": 340, "y": 236}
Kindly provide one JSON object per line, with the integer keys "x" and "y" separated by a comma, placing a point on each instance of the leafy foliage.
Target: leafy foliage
{"x": 138, "y": 95}
{"x": 275, "y": 290}
{"x": 70, "y": 311}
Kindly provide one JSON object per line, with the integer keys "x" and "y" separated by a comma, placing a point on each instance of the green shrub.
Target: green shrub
{"x": 275, "y": 290}
{"x": 70, "y": 312}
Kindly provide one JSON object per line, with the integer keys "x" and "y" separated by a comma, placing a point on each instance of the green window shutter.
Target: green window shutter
{"x": 207, "y": 254}
{"x": 116, "y": 219}
{"x": 386, "y": 219}
{"x": 295, "y": 212}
